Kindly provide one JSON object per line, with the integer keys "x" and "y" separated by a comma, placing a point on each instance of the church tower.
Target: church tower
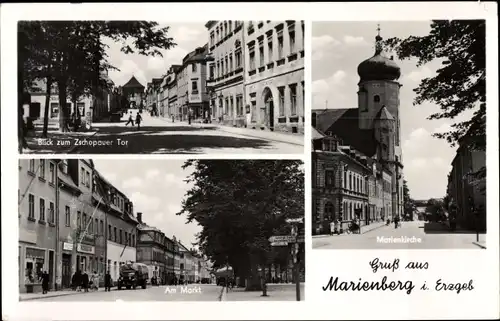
{"x": 378, "y": 110}
{"x": 377, "y": 87}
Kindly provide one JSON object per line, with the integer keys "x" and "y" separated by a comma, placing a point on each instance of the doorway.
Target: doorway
{"x": 269, "y": 108}
{"x": 51, "y": 268}
{"x": 66, "y": 271}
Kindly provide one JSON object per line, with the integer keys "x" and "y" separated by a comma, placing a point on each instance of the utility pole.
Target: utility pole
{"x": 57, "y": 269}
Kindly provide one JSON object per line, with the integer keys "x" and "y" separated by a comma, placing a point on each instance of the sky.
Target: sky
{"x": 156, "y": 188}
{"x": 187, "y": 36}
{"x": 337, "y": 50}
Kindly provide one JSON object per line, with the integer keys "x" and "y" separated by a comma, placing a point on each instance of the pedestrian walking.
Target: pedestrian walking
{"x": 45, "y": 282}
{"x": 130, "y": 120}
{"x": 94, "y": 281}
{"x": 107, "y": 281}
{"x": 76, "y": 281}
{"x": 138, "y": 120}
{"x": 85, "y": 281}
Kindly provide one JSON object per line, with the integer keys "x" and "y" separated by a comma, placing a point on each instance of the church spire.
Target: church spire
{"x": 378, "y": 42}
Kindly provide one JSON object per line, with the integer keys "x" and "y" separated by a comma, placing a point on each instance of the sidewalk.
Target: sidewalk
{"x": 54, "y": 294}
{"x": 364, "y": 229}
{"x": 294, "y": 139}
{"x": 276, "y": 292}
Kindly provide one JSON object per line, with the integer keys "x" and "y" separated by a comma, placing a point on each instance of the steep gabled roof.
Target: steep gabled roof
{"x": 384, "y": 114}
{"x": 344, "y": 124}
{"x": 315, "y": 134}
{"x": 133, "y": 83}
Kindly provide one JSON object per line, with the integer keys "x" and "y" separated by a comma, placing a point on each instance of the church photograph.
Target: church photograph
{"x": 376, "y": 150}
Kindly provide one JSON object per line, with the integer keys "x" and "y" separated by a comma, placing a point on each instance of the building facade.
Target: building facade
{"x": 121, "y": 227}
{"x": 191, "y": 79}
{"x": 225, "y": 72}
{"x": 274, "y": 75}
{"x": 174, "y": 110}
{"x": 151, "y": 250}
{"x": 37, "y": 226}
{"x": 371, "y": 132}
{"x": 466, "y": 189}
{"x": 134, "y": 91}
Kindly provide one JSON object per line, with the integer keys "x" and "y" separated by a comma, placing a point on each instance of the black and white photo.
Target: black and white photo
{"x": 399, "y": 135}
{"x": 132, "y": 87}
{"x": 161, "y": 230}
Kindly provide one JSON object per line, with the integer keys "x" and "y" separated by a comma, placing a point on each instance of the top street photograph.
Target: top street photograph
{"x": 146, "y": 87}
{"x": 399, "y": 135}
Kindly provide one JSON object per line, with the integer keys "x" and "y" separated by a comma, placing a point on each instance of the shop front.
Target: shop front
{"x": 86, "y": 261}
{"x": 33, "y": 261}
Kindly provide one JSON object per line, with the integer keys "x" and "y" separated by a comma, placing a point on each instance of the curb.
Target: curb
{"x": 221, "y": 128}
{"x": 480, "y": 245}
{"x": 373, "y": 229}
{"x": 227, "y": 130}
{"x": 47, "y": 297}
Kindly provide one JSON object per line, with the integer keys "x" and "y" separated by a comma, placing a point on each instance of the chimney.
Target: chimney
{"x": 139, "y": 217}
{"x": 313, "y": 120}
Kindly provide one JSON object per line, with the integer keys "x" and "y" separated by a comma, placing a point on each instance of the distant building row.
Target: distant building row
{"x": 61, "y": 201}
{"x": 249, "y": 74}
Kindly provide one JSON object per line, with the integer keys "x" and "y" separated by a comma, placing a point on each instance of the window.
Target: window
{"x": 115, "y": 234}
{"x": 376, "y": 99}
{"x": 91, "y": 226}
{"x": 252, "y": 58}
{"x": 293, "y": 98}
{"x": 42, "y": 168}
{"x": 52, "y": 173}
{"x": 231, "y": 108}
{"x": 32, "y": 166}
{"x": 133, "y": 240}
{"x": 87, "y": 183}
{"x": 261, "y": 54}
{"x": 230, "y": 63}
{"x": 193, "y": 67}
{"x": 101, "y": 227}
{"x": 81, "y": 109}
{"x": 281, "y": 91}
{"x": 329, "y": 178}
{"x": 42, "y": 210}
{"x": 237, "y": 57}
{"x": 194, "y": 86}
{"x": 67, "y": 216}
{"x": 239, "y": 105}
{"x": 78, "y": 219}
{"x": 84, "y": 221}
{"x": 345, "y": 180}
{"x": 212, "y": 71}
{"x": 350, "y": 182}
{"x": 254, "y": 111}
{"x": 280, "y": 46}
{"x": 270, "y": 48}
{"x": 82, "y": 176}
{"x": 121, "y": 236}
{"x": 109, "y": 232}
{"x": 228, "y": 68}
{"x": 291, "y": 34}
{"x": 51, "y": 213}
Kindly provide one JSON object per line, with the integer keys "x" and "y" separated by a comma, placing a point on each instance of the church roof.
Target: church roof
{"x": 133, "y": 83}
{"x": 384, "y": 114}
{"x": 343, "y": 123}
{"x": 378, "y": 67}
{"x": 315, "y": 134}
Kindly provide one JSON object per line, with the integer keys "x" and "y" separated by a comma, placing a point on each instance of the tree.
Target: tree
{"x": 239, "y": 205}
{"x": 79, "y": 53}
{"x": 435, "y": 209}
{"x": 460, "y": 83}
{"x": 408, "y": 203}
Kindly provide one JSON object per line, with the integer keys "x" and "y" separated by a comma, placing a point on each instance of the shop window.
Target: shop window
{"x": 34, "y": 265}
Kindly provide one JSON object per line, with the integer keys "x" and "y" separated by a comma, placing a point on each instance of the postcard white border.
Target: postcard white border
{"x": 483, "y": 304}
